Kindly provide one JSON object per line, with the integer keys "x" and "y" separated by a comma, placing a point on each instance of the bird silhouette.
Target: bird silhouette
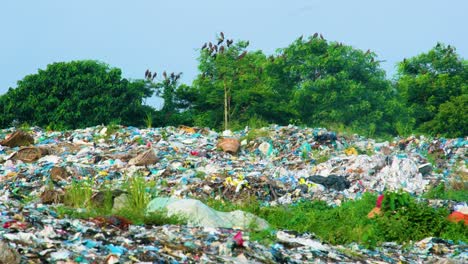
{"x": 315, "y": 35}
{"x": 215, "y": 48}
{"x": 220, "y": 40}
{"x": 242, "y": 55}
{"x": 229, "y": 42}
{"x": 164, "y": 74}
{"x": 221, "y": 49}
{"x": 321, "y": 37}
{"x": 222, "y": 35}
{"x": 210, "y": 45}
{"x": 147, "y": 72}
{"x": 154, "y": 76}
{"x": 172, "y": 75}
{"x": 204, "y": 46}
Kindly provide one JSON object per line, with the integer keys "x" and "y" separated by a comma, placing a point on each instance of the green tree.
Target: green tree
{"x": 75, "y": 94}
{"x": 173, "y": 111}
{"x": 428, "y": 81}
{"x": 231, "y": 87}
{"x": 335, "y": 84}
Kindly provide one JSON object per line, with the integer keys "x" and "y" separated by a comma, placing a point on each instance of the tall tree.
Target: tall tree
{"x": 335, "y": 84}
{"x": 431, "y": 79}
{"x": 75, "y": 94}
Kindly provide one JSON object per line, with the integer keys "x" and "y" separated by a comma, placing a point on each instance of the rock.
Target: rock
{"x": 198, "y": 214}
{"x": 144, "y": 159}
{"x": 17, "y": 139}
{"x": 58, "y": 174}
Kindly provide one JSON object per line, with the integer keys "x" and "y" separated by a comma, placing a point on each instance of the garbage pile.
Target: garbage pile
{"x": 275, "y": 165}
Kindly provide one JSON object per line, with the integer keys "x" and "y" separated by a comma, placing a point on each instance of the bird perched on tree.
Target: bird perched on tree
{"x": 229, "y": 42}
{"x": 147, "y": 72}
{"x": 315, "y": 35}
{"x": 172, "y": 75}
{"x": 210, "y": 45}
{"x": 221, "y": 49}
{"x": 321, "y": 37}
{"x": 242, "y": 55}
{"x": 154, "y": 76}
{"x": 204, "y": 46}
{"x": 164, "y": 74}
{"x": 222, "y": 35}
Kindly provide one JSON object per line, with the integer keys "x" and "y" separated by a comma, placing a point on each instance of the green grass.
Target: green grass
{"x": 256, "y": 133}
{"x": 410, "y": 221}
{"x": 442, "y": 192}
{"x": 78, "y": 203}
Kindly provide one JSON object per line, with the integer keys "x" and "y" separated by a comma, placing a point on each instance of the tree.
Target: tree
{"x": 429, "y": 80}
{"x": 172, "y": 112}
{"x": 334, "y": 84}
{"x": 231, "y": 87}
{"x": 75, "y": 94}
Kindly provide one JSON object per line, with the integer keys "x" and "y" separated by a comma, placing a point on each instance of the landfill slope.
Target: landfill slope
{"x": 280, "y": 165}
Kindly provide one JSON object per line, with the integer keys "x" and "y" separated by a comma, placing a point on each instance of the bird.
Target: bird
{"x": 147, "y": 72}
{"x": 221, "y": 49}
{"x": 154, "y": 76}
{"x": 215, "y": 48}
{"x": 229, "y": 42}
{"x": 242, "y": 55}
{"x": 164, "y": 75}
{"x": 210, "y": 45}
{"x": 220, "y": 40}
{"x": 222, "y": 35}
{"x": 367, "y": 52}
{"x": 315, "y": 35}
{"x": 204, "y": 46}
{"x": 172, "y": 75}
{"x": 321, "y": 37}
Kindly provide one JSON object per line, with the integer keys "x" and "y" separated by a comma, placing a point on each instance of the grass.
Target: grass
{"x": 256, "y": 133}
{"x": 78, "y": 203}
{"x": 320, "y": 156}
{"x": 410, "y": 221}
{"x": 446, "y": 193}
{"x": 404, "y": 219}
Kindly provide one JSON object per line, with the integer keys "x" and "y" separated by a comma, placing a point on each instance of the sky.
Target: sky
{"x": 167, "y": 35}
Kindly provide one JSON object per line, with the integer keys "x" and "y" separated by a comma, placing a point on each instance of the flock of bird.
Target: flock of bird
{"x": 172, "y": 77}
{"x": 215, "y": 49}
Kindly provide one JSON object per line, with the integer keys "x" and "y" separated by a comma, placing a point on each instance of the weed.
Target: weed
{"x": 78, "y": 194}
{"x": 442, "y": 192}
{"x": 256, "y": 133}
{"x": 148, "y": 120}
{"x": 320, "y": 156}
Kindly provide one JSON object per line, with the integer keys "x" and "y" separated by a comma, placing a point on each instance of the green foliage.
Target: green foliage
{"x": 138, "y": 192}
{"x": 446, "y": 193}
{"x": 255, "y": 134}
{"x": 409, "y": 220}
{"x": 434, "y": 86}
{"x": 75, "y": 94}
{"x": 78, "y": 194}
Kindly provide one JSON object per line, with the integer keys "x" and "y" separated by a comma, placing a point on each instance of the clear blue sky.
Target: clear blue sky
{"x": 166, "y": 35}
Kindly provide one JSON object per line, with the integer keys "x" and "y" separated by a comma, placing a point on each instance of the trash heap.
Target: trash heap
{"x": 276, "y": 165}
